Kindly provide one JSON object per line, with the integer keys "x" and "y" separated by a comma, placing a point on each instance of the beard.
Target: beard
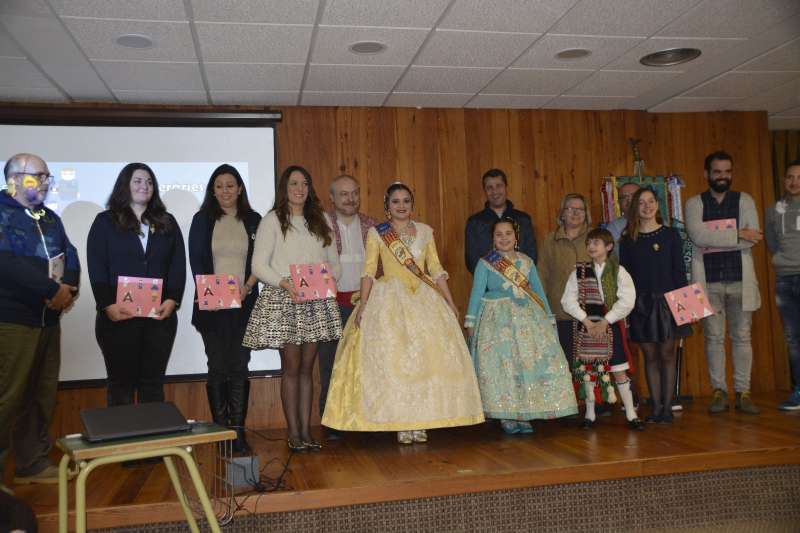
{"x": 720, "y": 185}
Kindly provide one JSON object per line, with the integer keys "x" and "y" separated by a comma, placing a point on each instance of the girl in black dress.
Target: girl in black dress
{"x": 653, "y": 255}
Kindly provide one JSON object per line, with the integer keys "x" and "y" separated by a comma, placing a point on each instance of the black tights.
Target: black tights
{"x": 660, "y": 368}
{"x": 297, "y": 362}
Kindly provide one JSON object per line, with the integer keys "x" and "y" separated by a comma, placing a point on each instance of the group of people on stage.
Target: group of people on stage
{"x": 544, "y": 328}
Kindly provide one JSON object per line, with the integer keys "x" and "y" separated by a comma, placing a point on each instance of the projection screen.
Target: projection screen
{"x": 85, "y": 161}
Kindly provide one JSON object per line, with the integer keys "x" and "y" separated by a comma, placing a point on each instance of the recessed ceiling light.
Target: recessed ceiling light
{"x": 573, "y": 54}
{"x": 134, "y": 40}
{"x": 670, "y": 57}
{"x": 367, "y": 47}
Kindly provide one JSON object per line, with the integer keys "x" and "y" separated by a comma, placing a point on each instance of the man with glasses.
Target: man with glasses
{"x": 617, "y": 226}
{"x": 39, "y": 275}
{"x": 478, "y": 240}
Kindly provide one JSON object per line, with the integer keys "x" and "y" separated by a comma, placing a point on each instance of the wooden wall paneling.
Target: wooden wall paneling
{"x": 545, "y": 186}
{"x": 479, "y": 141}
{"x": 782, "y": 153}
{"x": 454, "y": 204}
{"x": 781, "y": 372}
{"x": 754, "y": 141}
{"x": 381, "y": 154}
{"x": 308, "y": 139}
{"x": 418, "y": 163}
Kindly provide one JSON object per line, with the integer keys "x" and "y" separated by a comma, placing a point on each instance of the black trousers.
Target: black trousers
{"x": 136, "y": 352}
{"x": 227, "y": 358}
{"x": 327, "y": 355}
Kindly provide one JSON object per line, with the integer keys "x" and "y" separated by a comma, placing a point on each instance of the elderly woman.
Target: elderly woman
{"x": 558, "y": 254}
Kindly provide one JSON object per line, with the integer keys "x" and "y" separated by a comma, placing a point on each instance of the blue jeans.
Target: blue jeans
{"x": 787, "y": 298}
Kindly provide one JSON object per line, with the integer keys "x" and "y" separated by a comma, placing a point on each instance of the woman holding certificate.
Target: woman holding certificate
{"x": 521, "y": 368}
{"x": 221, "y": 241}
{"x": 402, "y": 364}
{"x": 653, "y": 255}
{"x": 285, "y": 317}
{"x": 136, "y": 238}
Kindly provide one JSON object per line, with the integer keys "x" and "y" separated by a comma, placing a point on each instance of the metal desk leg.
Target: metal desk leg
{"x": 199, "y": 489}
{"x": 63, "y": 494}
{"x": 176, "y": 483}
{"x": 80, "y": 496}
{"x": 86, "y": 469}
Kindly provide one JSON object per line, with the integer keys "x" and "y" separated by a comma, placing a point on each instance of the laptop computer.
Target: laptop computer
{"x": 135, "y": 420}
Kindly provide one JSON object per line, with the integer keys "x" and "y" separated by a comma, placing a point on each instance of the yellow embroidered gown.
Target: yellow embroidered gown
{"x": 407, "y": 367}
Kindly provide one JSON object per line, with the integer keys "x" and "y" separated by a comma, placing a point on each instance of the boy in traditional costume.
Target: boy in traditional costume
{"x": 599, "y": 295}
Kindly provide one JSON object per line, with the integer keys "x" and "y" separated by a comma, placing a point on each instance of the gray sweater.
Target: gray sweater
{"x": 703, "y": 237}
{"x": 782, "y": 233}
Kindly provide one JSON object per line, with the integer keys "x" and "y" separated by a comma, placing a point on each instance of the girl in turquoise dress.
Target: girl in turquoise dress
{"x": 521, "y": 368}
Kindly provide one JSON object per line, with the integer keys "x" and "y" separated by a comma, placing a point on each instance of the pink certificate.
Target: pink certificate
{"x": 689, "y": 304}
{"x": 718, "y": 225}
{"x": 313, "y": 281}
{"x": 217, "y": 291}
{"x": 140, "y": 296}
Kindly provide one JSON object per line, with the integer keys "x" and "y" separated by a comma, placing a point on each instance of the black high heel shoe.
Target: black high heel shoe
{"x": 312, "y": 445}
{"x": 295, "y": 447}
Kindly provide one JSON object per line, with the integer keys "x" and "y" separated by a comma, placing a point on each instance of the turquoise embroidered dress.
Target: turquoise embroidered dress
{"x": 521, "y": 368}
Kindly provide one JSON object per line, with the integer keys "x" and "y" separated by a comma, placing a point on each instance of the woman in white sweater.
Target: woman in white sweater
{"x": 293, "y": 232}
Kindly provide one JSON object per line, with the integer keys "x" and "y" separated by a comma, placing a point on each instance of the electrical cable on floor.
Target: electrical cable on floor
{"x": 264, "y": 484}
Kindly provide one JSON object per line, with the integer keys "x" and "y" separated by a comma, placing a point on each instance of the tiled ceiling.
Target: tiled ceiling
{"x": 439, "y": 53}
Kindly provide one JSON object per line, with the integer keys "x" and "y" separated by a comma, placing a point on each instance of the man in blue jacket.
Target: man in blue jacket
{"x": 39, "y": 275}
{"x": 478, "y": 238}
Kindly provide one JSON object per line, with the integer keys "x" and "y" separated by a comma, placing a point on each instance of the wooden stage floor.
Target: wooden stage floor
{"x": 367, "y": 468}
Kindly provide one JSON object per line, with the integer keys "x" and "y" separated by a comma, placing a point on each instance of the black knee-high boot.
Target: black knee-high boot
{"x": 239, "y": 398}
{"x": 218, "y": 402}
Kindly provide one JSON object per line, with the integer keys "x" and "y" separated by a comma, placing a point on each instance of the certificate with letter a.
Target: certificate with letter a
{"x": 140, "y": 296}
{"x": 313, "y": 281}
{"x": 688, "y": 304}
{"x": 217, "y": 291}
{"x": 719, "y": 225}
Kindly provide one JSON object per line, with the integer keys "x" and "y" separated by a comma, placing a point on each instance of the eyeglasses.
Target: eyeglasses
{"x": 42, "y": 177}
{"x": 574, "y": 210}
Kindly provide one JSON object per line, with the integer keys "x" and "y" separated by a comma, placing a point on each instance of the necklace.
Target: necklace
{"x": 406, "y": 234}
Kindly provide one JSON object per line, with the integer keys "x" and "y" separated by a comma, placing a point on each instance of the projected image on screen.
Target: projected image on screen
{"x": 89, "y": 181}
{"x": 85, "y": 161}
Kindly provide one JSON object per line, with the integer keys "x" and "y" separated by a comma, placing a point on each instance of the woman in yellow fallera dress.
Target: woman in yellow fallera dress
{"x": 402, "y": 364}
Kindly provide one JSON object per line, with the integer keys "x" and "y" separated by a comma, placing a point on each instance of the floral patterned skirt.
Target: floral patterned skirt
{"x": 521, "y": 368}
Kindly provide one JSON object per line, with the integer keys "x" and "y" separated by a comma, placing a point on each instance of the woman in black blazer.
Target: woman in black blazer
{"x": 221, "y": 241}
{"x": 135, "y": 237}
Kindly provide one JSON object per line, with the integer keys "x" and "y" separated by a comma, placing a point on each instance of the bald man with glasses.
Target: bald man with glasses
{"x": 39, "y": 275}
